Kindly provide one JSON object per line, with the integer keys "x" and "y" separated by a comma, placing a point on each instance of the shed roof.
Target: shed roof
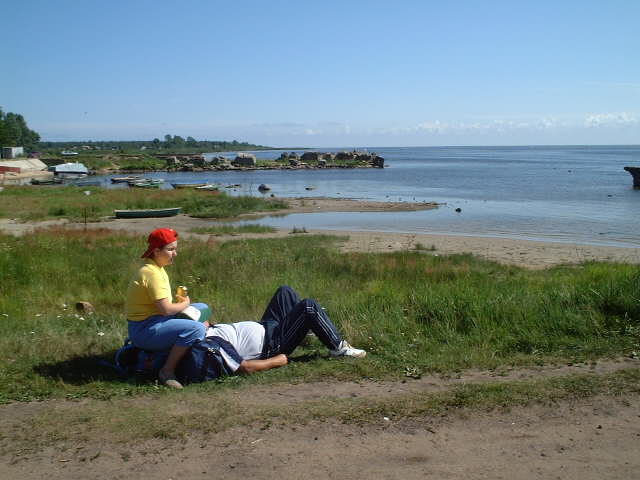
{"x": 25, "y": 164}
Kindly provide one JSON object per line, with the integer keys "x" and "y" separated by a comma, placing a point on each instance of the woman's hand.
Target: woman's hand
{"x": 181, "y": 299}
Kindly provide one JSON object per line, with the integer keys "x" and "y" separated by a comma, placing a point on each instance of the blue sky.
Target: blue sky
{"x": 321, "y": 74}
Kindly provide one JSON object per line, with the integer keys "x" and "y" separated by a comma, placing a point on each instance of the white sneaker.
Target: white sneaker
{"x": 346, "y": 350}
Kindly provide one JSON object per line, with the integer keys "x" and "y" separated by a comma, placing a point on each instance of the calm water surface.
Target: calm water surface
{"x": 567, "y": 194}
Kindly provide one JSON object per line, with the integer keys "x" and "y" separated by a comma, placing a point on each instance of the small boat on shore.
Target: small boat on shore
{"x": 147, "y": 213}
{"x": 86, "y": 183}
{"x": 146, "y": 183}
{"x": 46, "y": 181}
{"x": 188, "y": 185}
{"x": 132, "y": 178}
{"x": 208, "y": 187}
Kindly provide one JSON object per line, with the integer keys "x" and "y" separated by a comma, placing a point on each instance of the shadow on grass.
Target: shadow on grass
{"x": 307, "y": 357}
{"x": 92, "y": 368}
{"x": 82, "y": 370}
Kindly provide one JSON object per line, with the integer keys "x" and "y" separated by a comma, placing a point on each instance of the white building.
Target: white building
{"x": 65, "y": 169}
{"x": 12, "y": 152}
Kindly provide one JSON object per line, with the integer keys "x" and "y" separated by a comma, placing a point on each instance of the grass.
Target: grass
{"x": 413, "y": 313}
{"x": 423, "y": 247}
{"x": 34, "y": 203}
{"x": 230, "y": 229}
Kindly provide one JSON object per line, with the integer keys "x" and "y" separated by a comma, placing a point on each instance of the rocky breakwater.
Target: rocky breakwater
{"x": 286, "y": 161}
{"x": 635, "y": 173}
{"x": 352, "y": 159}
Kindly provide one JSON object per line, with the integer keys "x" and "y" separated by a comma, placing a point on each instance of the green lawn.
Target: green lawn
{"x": 413, "y": 312}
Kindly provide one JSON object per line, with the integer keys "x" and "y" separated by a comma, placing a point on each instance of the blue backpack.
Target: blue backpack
{"x": 204, "y": 362}
{"x": 132, "y": 360}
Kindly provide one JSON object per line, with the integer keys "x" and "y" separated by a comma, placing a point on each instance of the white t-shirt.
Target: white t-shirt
{"x": 246, "y": 337}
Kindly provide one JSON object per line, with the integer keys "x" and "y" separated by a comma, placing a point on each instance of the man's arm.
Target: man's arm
{"x": 251, "y": 366}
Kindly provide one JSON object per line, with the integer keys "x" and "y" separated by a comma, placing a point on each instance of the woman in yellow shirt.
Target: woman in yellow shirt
{"x": 150, "y": 311}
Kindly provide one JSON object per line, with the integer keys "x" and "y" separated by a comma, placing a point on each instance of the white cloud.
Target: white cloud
{"x": 440, "y": 127}
{"x": 611, "y": 120}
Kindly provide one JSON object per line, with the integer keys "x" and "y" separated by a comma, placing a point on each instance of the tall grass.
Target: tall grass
{"x": 407, "y": 309}
{"x": 29, "y": 203}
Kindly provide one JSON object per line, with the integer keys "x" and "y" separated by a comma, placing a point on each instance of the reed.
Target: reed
{"x": 413, "y": 313}
{"x": 230, "y": 229}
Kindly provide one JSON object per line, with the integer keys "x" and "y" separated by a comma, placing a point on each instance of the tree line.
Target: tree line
{"x": 170, "y": 144}
{"x": 14, "y": 132}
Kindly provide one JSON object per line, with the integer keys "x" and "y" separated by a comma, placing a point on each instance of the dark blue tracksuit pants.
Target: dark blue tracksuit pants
{"x": 288, "y": 319}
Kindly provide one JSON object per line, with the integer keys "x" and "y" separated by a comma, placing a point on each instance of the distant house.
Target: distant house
{"x": 12, "y": 152}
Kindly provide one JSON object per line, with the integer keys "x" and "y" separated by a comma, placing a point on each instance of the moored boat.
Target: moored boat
{"x": 146, "y": 182}
{"x": 86, "y": 183}
{"x": 144, "y": 185}
{"x": 46, "y": 181}
{"x": 132, "y": 178}
{"x": 147, "y": 213}
{"x": 208, "y": 187}
{"x": 635, "y": 173}
{"x": 187, "y": 185}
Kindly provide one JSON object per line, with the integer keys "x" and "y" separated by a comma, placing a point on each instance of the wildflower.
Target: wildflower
{"x": 38, "y": 314}
{"x": 101, "y": 334}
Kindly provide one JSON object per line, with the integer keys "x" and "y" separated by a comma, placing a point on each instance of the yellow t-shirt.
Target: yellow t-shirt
{"x": 150, "y": 283}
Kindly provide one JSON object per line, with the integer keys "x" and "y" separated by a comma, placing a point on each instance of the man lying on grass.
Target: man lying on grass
{"x": 285, "y": 323}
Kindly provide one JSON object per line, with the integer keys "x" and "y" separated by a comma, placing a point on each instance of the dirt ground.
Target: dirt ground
{"x": 588, "y": 439}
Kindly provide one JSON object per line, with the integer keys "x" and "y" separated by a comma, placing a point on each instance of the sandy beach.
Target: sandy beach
{"x": 523, "y": 253}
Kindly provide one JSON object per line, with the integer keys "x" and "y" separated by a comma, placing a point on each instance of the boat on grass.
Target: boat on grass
{"x": 147, "y": 213}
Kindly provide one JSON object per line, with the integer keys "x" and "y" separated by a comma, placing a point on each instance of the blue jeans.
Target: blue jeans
{"x": 288, "y": 319}
{"x": 161, "y": 332}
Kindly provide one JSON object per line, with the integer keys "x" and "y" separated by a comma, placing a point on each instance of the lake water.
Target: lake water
{"x": 577, "y": 194}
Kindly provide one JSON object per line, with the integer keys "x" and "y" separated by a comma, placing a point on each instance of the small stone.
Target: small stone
{"x": 84, "y": 307}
